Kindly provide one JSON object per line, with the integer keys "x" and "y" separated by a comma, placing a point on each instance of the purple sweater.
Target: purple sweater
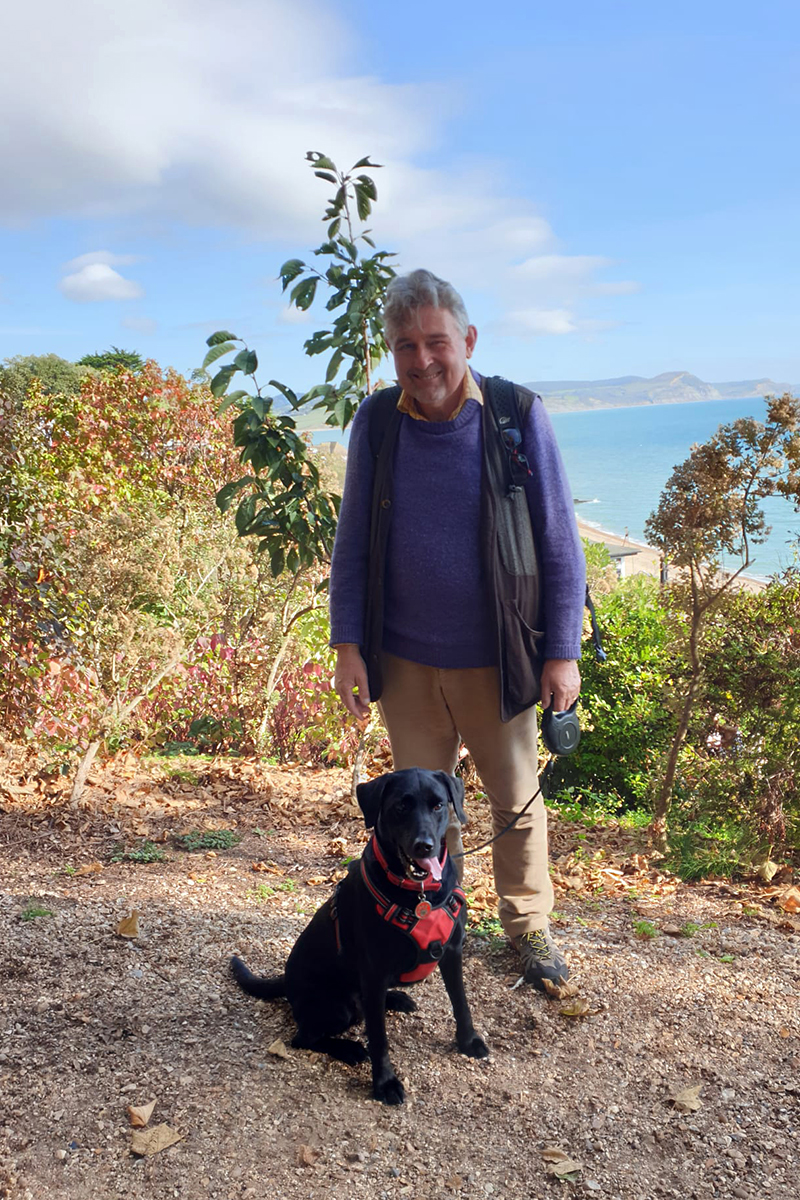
{"x": 438, "y": 608}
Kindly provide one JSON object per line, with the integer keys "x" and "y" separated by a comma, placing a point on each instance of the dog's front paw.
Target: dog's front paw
{"x": 474, "y": 1047}
{"x": 389, "y": 1090}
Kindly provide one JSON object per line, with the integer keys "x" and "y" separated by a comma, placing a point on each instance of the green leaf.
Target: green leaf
{"x": 233, "y": 398}
{"x": 217, "y": 352}
{"x": 219, "y": 384}
{"x": 369, "y": 186}
{"x": 333, "y": 228}
{"x": 246, "y": 361}
{"x": 221, "y": 336}
{"x": 245, "y": 513}
{"x": 287, "y": 392}
{"x": 320, "y": 160}
{"x": 364, "y": 162}
{"x": 290, "y": 270}
{"x": 363, "y": 206}
{"x": 276, "y": 562}
{"x": 225, "y": 495}
{"x": 302, "y": 295}
{"x": 327, "y": 176}
{"x": 333, "y": 366}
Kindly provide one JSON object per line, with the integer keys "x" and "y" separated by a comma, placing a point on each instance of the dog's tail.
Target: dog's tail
{"x": 257, "y": 985}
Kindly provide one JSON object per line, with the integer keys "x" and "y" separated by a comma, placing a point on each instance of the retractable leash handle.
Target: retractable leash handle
{"x": 561, "y": 731}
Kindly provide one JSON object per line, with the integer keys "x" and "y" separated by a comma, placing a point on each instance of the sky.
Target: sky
{"x": 613, "y": 186}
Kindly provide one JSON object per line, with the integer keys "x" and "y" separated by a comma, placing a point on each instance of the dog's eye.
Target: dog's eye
{"x": 438, "y": 806}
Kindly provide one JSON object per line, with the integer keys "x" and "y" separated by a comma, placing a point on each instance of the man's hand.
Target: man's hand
{"x": 561, "y": 682}
{"x": 350, "y": 680}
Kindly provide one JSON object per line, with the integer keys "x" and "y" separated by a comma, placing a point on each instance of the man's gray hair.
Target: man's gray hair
{"x": 406, "y": 294}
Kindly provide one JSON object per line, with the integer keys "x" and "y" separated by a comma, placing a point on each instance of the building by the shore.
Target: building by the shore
{"x": 630, "y": 557}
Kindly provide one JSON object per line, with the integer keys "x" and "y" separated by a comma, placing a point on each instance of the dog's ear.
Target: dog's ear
{"x": 455, "y": 790}
{"x": 370, "y": 797}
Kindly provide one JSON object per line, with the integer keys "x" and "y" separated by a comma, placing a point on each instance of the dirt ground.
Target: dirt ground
{"x": 680, "y": 1079}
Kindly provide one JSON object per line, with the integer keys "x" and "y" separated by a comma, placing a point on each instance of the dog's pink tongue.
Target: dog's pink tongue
{"x": 431, "y": 865}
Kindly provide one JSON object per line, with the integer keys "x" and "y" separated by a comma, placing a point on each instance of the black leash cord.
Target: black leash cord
{"x": 512, "y": 822}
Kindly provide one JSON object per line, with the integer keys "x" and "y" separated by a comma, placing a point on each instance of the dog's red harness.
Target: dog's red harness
{"x": 429, "y": 928}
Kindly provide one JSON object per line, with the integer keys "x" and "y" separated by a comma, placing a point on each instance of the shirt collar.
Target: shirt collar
{"x": 469, "y": 391}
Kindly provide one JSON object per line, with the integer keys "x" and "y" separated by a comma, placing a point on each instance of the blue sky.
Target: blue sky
{"x": 612, "y": 186}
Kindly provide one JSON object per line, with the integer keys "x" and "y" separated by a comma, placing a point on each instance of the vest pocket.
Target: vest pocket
{"x": 523, "y": 663}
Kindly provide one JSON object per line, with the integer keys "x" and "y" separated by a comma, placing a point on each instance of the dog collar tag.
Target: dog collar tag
{"x": 423, "y": 910}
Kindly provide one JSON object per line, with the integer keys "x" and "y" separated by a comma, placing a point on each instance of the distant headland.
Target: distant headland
{"x": 672, "y": 387}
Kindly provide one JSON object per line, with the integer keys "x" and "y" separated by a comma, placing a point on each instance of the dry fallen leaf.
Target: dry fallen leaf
{"x": 278, "y": 1048}
{"x": 306, "y": 1157}
{"x": 129, "y": 926}
{"x": 768, "y": 870}
{"x": 92, "y": 868}
{"x": 577, "y": 1008}
{"x": 559, "y": 991}
{"x": 145, "y": 1142}
{"x": 688, "y": 1100}
{"x": 789, "y": 901}
{"x": 141, "y": 1114}
{"x": 559, "y": 1162}
{"x": 267, "y": 866}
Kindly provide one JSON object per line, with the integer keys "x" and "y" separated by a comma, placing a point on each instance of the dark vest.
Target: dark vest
{"x": 507, "y": 548}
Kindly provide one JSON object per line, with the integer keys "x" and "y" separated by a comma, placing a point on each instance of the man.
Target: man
{"x": 421, "y": 585}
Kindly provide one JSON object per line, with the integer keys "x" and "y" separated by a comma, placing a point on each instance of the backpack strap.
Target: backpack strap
{"x": 504, "y": 401}
{"x": 383, "y": 405}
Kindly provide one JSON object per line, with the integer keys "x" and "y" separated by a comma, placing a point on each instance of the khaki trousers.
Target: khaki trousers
{"x": 427, "y": 713}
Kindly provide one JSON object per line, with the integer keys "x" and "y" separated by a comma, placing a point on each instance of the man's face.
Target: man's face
{"x": 430, "y": 358}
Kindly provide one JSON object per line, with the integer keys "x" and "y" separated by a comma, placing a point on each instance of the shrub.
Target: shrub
{"x": 627, "y": 724}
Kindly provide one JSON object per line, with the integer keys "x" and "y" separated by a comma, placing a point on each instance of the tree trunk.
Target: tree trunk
{"x": 83, "y": 770}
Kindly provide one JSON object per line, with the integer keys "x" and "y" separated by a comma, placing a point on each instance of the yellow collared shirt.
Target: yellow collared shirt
{"x": 469, "y": 391}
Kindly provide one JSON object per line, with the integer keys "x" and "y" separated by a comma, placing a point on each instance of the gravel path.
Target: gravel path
{"x": 92, "y": 1022}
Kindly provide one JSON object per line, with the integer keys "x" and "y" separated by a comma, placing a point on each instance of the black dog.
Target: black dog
{"x": 397, "y": 915}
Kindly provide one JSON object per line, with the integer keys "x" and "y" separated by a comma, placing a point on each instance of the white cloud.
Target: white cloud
{"x": 102, "y": 257}
{"x": 99, "y": 282}
{"x": 167, "y": 111}
{"x": 537, "y": 322}
{"x": 289, "y": 315}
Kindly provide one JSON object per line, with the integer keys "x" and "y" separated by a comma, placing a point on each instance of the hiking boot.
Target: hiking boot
{"x": 541, "y": 958}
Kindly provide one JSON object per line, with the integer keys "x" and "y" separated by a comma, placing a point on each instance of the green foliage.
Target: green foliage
{"x": 709, "y": 847}
{"x": 114, "y": 557}
{"x": 53, "y": 375}
{"x": 286, "y": 505}
{"x": 146, "y": 852}
{"x": 645, "y": 930}
{"x": 740, "y": 780}
{"x": 33, "y": 912}
{"x": 265, "y": 891}
{"x": 113, "y": 360}
{"x": 711, "y": 506}
{"x": 490, "y": 931}
{"x": 624, "y": 700}
{"x": 209, "y": 839}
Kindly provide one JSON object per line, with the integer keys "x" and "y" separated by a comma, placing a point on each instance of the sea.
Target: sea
{"x": 618, "y": 460}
